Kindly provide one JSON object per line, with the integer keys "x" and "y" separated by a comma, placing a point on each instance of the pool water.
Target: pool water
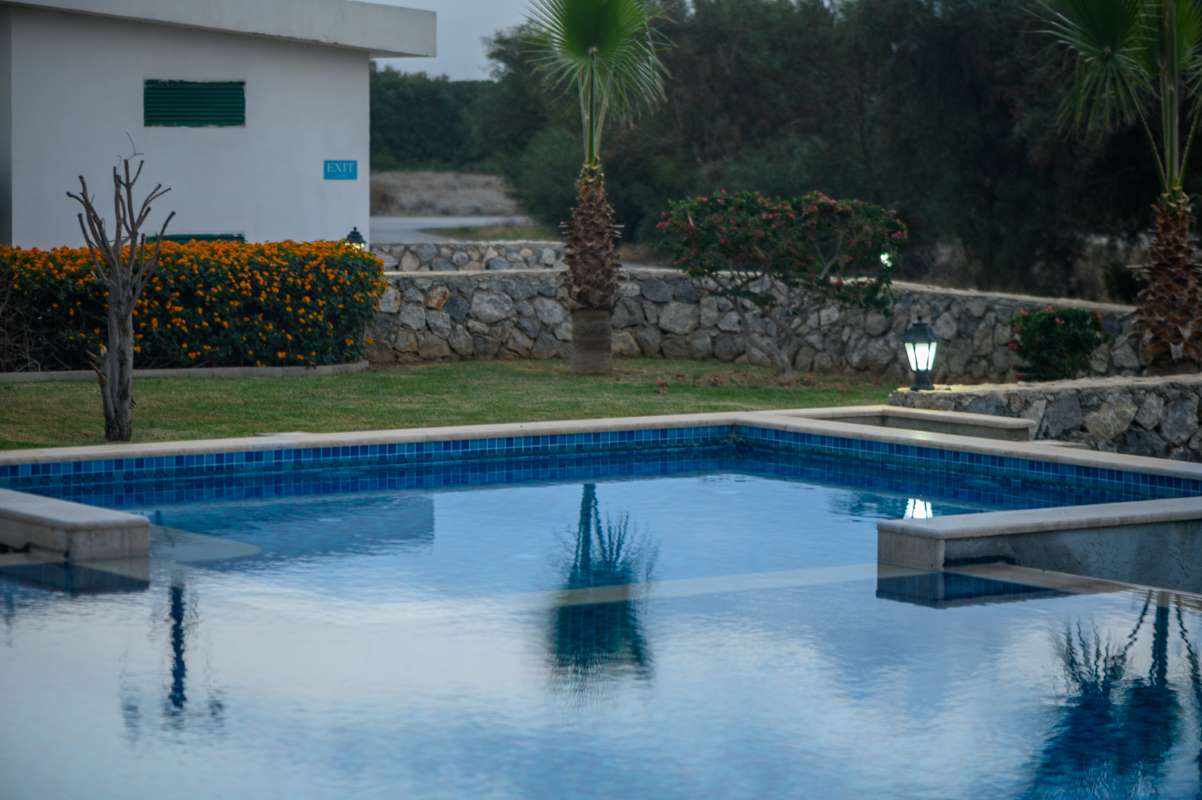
{"x": 713, "y": 626}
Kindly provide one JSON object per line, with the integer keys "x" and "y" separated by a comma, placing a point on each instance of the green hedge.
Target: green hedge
{"x": 210, "y": 304}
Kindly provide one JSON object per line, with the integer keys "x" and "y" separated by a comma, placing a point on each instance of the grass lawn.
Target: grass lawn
{"x": 68, "y": 413}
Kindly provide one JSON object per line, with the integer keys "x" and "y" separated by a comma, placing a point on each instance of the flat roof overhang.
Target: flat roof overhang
{"x": 379, "y": 30}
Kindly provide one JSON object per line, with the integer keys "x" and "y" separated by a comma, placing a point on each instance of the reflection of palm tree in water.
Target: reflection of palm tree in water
{"x": 591, "y": 638}
{"x": 175, "y": 703}
{"x": 1118, "y": 729}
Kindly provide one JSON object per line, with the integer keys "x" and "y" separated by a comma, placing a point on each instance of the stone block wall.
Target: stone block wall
{"x": 1140, "y": 416}
{"x": 470, "y": 256}
{"x": 662, "y": 313}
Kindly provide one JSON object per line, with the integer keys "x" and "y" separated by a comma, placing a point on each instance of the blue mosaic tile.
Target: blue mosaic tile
{"x": 235, "y": 466}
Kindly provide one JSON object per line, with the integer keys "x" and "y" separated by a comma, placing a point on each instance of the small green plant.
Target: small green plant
{"x": 1055, "y": 343}
{"x": 784, "y": 257}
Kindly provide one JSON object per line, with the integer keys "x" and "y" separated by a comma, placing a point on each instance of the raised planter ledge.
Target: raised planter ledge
{"x": 73, "y": 531}
{"x": 1147, "y": 542}
{"x": 191, "y": 372}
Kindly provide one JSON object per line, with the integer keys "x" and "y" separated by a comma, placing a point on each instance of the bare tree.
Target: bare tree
{"x": 122, "y": 262}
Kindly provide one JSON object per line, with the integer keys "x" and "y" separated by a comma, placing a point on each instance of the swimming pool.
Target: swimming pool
{"x": 698, "y": 617}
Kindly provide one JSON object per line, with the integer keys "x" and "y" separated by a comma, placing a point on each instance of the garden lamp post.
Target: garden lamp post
{"x": 921, "y": 344}
{"x": 355, "y": 239}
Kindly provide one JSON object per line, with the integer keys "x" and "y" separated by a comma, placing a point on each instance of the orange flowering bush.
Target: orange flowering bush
{"x": 210, "y": 304}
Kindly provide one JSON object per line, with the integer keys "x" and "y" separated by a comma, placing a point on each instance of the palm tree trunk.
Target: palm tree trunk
{"x": 592, "y": 256}
{"x": 1169, "y": 317}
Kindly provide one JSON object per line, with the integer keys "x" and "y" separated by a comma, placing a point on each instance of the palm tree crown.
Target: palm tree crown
{"x": 1134, "y": 61}
{"x": 606, "y": 51}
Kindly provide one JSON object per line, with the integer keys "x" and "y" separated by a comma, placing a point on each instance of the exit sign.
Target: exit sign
{"x": 341, "y": 170}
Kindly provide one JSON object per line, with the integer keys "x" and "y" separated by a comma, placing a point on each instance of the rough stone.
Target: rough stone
{"x": 529, "y": 326}
{"x": 676, "y": 347}
{"x": 461, "y": 341}
{"x": 679, "y": 318}
{"x": 946, "y": 327}
{"x": 1112, "y": 419}
{"x": 876, "y": 324}
{"x": 548, "y": 311}
{"x": 457, "y": 308}
{"x": 439, "y": 323}
{"x": 433, "y": 346}
{"x": 390, "y": 301}
{"x": 404, "y": 341}
{"x": 519, "y": 343}
{"x": 1180, "y": 419}
{"x": 984, "y": 404}
{"x": 686, "y": 292}
{"x": 701, "y": 346}
{"x": 624, "y": 344}
{"x": 437, "y": 297}
{"x": 413, "y": 315}
{"x": 1150, "y": 411}
{"x": 491, "y": 307}
{"x": 545, "y": 346}
{"x": 657, "y": 290}
{"x": 1124, "y": 355}
{"x": 730, "y": 323}
{"x": 1062, "y": 416}
{"x": 728, "y": 348}
{"x": 649, "y": 340}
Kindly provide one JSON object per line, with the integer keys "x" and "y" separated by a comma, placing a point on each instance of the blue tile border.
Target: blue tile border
{"x": 160, "y": 469}
{"x": 933, "y": 458}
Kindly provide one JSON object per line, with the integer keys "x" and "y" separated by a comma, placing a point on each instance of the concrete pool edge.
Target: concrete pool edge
{"x": 70, "y": 531}
{"x": 784, "y": 420}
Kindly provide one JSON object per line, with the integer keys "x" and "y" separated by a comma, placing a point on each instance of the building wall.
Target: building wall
{"x": 77, "y": 92}
{"x": 6, "y": 148}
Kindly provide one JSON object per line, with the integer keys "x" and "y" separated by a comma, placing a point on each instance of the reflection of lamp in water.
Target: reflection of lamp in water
{"x": 918, "y": 509}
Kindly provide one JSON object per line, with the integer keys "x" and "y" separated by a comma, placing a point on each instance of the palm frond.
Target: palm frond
{"x": 606, "y": 50}
{"x": 1111, "y": 45}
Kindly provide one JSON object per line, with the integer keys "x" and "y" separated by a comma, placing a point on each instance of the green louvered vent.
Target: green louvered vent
{"x": 194, "y": 104}
{"x": 184, "y": 238}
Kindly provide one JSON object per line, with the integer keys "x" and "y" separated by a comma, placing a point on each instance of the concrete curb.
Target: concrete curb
{"x": 192, "y": 372}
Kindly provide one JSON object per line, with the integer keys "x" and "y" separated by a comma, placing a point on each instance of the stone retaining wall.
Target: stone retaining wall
{"x": 664, "y": 314}
{"x": 1140, "y": 416}
{"x": 470, "y": 256}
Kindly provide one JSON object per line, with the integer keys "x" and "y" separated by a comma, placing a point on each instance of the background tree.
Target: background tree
{"x": 945, "y": 111}
{"x": 124, "y": 262}
{"x": 606, "y": 51}
{"x": 1140, "y": 62}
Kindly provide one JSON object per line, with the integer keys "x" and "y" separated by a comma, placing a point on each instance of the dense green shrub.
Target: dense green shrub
{"x": 210, "y": 304}
{"x": 1055, "y": 343}
{"x": 784, "y": 255}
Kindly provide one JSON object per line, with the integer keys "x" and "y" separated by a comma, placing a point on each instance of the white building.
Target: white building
{"x": 254, "y": 112}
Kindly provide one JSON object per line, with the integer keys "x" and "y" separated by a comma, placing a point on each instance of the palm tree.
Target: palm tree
{"x": 1139, "y": 62}
{"x": 606, "y": 51}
